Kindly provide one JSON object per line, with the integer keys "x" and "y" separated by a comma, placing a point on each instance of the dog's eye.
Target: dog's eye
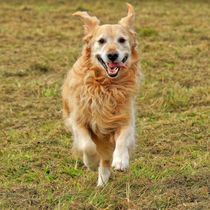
{"x": 121, "y": 40}
{"x": 102, "y": 41}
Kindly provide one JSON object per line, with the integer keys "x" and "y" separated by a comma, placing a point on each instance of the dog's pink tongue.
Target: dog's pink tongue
{"x": 119, "y": 65}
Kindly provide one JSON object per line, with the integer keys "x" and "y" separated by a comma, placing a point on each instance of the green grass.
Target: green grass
{"x": 39, "y": 42}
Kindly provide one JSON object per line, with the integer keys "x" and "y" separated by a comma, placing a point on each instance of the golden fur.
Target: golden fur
{"x": 100, "y": 105}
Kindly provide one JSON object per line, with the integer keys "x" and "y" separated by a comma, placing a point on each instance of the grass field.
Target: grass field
{"x": 39, "y": 42}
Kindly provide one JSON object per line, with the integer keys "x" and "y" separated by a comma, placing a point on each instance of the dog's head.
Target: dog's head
{"x": 111, "y": 46}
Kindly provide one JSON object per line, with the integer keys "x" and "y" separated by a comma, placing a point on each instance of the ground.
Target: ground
{"x": 39, "y": 42}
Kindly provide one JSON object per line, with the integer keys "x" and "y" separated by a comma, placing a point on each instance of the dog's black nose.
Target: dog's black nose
{"x": 112, "y": 56}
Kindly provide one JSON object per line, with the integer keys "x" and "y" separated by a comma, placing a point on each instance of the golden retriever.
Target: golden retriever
{"x": 98, "y": 95}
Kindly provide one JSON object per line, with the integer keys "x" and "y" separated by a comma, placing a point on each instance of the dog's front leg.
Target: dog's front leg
{"x": 84, "y": 143}
{"x": 124, "y": 144}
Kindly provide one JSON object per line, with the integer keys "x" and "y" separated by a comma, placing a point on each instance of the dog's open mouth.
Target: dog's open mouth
{"x": 113, "y": 69}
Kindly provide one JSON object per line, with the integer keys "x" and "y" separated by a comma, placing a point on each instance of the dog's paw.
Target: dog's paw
{"x": 120, "y": 160}
{"x": 103, "y": 176}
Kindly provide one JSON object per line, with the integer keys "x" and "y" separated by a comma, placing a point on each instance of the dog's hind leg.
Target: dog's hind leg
{"x": 105, "y": 148}
{"x": 103, "y": 172}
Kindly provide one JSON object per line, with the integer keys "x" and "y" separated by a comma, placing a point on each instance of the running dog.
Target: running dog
{"x": 99, "y": 93}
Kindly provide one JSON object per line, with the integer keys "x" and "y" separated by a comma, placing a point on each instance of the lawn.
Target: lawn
{"x": 39, "y": 42}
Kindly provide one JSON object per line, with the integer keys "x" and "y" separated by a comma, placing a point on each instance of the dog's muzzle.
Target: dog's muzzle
{"x": 113, "y": 68}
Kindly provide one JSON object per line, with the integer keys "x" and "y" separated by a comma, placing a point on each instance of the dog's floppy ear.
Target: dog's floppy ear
{"x": 90, "y": 23}
{"x": 129, "y": 20}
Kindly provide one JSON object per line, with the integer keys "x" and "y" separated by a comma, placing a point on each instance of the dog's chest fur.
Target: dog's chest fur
{"x": 99, "y": 103}
{"x": 106, "y": 105}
